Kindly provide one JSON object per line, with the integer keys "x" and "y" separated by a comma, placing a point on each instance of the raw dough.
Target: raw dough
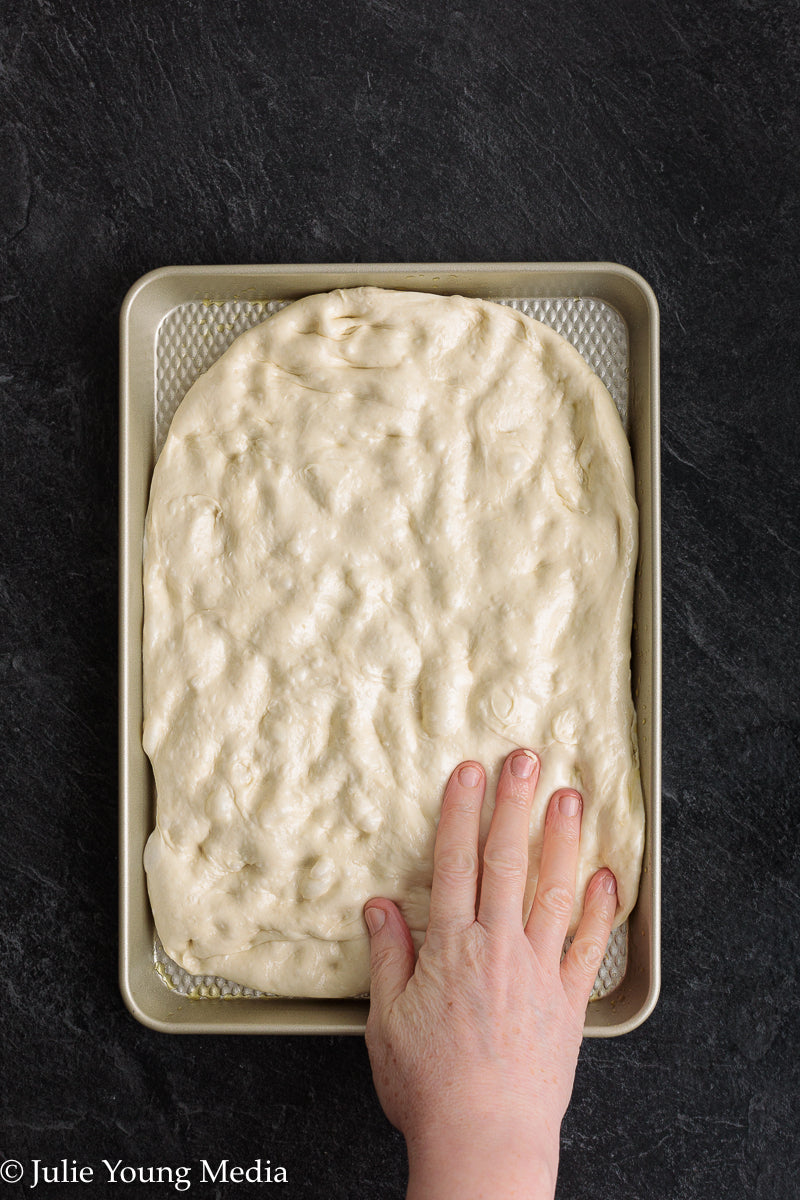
{"x": 388, "y": 531}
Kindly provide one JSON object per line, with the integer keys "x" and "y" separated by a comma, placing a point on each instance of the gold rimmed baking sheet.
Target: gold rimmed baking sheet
{"x": 175, "y": 323}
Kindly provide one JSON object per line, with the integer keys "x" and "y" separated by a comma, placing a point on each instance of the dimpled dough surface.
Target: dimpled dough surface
{"x": 388, "y": 531}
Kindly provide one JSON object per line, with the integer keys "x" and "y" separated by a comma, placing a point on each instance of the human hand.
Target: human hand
{"x": 474, "y": 1047}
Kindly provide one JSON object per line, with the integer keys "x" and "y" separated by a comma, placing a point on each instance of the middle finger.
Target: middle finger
{"x": 505, "y": 857}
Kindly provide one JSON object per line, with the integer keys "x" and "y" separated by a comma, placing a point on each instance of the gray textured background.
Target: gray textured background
{"x": 660, "y": 135}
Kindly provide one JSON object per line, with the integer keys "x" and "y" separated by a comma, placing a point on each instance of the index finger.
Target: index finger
{"x": 455, "y": 853}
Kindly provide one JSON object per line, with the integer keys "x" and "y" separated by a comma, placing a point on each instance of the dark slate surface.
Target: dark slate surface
{"x": 662, "y": 136}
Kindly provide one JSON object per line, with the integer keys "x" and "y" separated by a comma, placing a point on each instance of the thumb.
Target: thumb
{"x": 391, "y": 952}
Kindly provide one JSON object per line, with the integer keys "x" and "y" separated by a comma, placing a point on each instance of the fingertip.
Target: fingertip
{"x": 383, "y": 916}
{"x": 601, "y": 896}
{"x": 375, "y": 917}
{"x": 570, "y": 803}
{"x": 609, "y": 882}
{"x": 524, "y": 764}
{"x": 566, "y": 802}
{"x": 604, "y": 883}
{"x": 469, "y": 774}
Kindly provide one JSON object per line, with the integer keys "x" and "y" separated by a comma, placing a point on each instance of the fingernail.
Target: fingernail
{"x": 469, "y": 776}
{"x": 375, "y": 918}
{"x": 522, "y": 765}
{"x": 610, "y": 884}
{"x": 569, "y": 805}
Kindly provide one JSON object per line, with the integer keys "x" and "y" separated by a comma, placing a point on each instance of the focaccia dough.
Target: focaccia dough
{"x": 388, "y": 531}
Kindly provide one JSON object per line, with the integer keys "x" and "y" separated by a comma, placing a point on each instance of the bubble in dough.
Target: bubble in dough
{"x": 388, "y": 531}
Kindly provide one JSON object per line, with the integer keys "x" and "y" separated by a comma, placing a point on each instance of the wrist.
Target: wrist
{"x": 481, "y": 1163}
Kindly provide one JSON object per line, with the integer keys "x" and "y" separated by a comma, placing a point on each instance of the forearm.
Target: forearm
{"x": 481, "y": 1167}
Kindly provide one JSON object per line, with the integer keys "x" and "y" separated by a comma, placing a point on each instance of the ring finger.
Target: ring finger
{"x": 555, "y": 890}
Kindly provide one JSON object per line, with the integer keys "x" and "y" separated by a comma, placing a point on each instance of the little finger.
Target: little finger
{"x": 585, "y": 956}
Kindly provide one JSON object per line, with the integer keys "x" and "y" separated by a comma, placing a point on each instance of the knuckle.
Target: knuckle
{"x": 461, "y": 803}
{"x": 443, "y": 927}
{"x": 506, "y": 861}
{"x": 568, "y": 831}
{"x": 587, "y": 955}
{"x": 383, "y": 958}
{"x": 519, "y": 796}
{"x": 565, "y": 829}
{"x": 556, "y": 899}
{"x": 456, "y": 863}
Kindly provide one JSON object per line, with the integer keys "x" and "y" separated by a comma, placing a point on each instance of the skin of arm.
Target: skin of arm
{"x": 474, "y": 1045}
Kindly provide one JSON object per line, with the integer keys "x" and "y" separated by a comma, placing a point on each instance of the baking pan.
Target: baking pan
{"x": 174, "y": 322}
